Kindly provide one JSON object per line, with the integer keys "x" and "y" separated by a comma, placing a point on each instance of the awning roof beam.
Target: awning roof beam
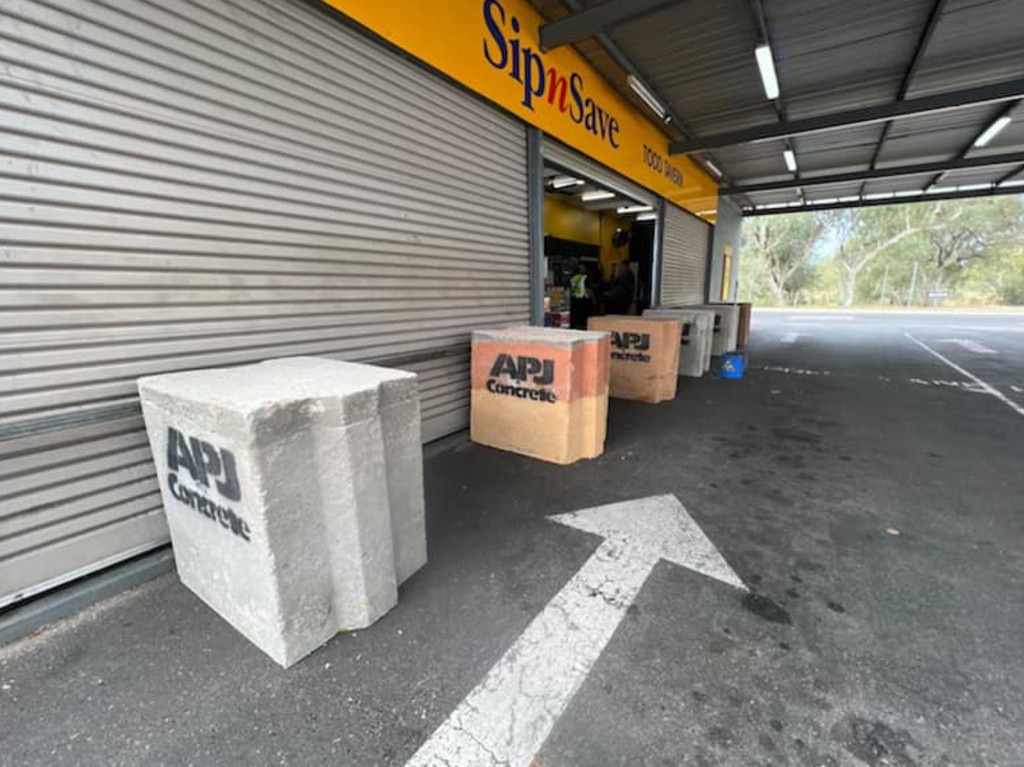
{"x": 867, "y": 175}
{"x": 1001, "y": 91}
{"x": 993, "y": 191}
{"x": 589, "y": 22}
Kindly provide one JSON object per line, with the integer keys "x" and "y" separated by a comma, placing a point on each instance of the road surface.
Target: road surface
{"x": 865, "y": 479}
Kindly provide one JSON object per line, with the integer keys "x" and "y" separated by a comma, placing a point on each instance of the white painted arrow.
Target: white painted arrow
{"x": 791, "y": 338}
{"x": 505, "y": 720}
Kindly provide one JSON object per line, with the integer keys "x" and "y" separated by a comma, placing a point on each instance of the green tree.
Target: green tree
{"x": 777, "y": 256}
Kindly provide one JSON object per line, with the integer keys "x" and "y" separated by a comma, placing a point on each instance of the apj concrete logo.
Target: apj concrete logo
{"x": 565, "y": 92}
{"x": 204, "y": 462}
{"x": 522, "y": 370}
{"x": 631, "y": 347}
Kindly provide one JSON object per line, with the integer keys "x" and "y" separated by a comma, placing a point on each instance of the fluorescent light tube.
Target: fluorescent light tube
{"x": 600, "y": 194}
{"x": 646, "y": 217}
{"x": 563, "y": 182}
{"x": 713, "y": 168}
{"x": 790, "y": 159}
{"x": 647, "y": 97}
{"x": 769, "y": 79}
{"x": 992, "y": 131}
{"x": 626, "y": 209}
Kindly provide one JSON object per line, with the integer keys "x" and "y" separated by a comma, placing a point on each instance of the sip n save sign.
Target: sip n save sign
{"x": 493, "y": 48}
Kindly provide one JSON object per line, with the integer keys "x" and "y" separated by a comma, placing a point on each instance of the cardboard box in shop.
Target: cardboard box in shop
{"x": 541, "y": 392}
{"x": 644, "y": 356}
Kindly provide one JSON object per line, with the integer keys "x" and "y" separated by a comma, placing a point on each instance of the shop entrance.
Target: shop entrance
{"x": 599, "y": 246}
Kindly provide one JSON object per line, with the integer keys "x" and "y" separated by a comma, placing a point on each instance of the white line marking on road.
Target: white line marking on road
{"x": 508, "y": 716}
{"x": 968, "y": 344}
{"x": 821, "y": 317}
{"x": 985, "y": 328}
{"x": 794, "y": 371}
{"x": 970, "y": 386}
{"x": 1017, "y": 389}
{"x": 989, "y": 389}
{"x": 791, "y": 338}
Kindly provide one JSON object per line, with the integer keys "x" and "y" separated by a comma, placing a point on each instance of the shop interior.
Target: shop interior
{"x": 588, "y": 230}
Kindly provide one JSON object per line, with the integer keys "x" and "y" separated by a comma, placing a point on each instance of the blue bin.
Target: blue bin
{"x": 732, "y": 365}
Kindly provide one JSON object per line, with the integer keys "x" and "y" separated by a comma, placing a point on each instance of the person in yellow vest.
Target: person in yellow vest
{"x": 580, "y": 295}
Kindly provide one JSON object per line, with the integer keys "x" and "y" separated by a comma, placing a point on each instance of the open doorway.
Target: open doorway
{"x": 598, "y": 249}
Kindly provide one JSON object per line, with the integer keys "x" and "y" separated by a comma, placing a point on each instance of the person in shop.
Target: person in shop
{"x": 620, "y": 294}
{"x": 580, "y": 296}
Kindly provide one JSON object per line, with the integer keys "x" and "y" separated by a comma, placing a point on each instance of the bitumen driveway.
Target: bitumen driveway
{"x": 865, "y": 479}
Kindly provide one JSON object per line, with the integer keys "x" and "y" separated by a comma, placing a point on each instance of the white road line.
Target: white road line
{"x": 791, "y": 338}
{"x": 987, "y": 388}
{"x": 508, "y": 716}
{"x": 968, "y": 344}
{"x": 1017, "y": 389}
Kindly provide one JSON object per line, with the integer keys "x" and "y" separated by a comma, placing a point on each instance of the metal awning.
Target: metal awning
{"x": 879, "y": 100}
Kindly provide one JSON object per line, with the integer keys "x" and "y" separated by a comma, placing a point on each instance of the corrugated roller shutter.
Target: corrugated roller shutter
{"x": 196, "y": 184}
{"x": 684, "y": 258}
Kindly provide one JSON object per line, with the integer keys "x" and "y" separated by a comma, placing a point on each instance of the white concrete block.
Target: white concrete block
{"x": 275, "y": 479}
{"x": 727, "y": 324}
{"x": 698, "y": 326}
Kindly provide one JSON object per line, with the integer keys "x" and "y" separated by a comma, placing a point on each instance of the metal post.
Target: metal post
{"x": 535, "y": 222}
{"x": 913, "y": 283}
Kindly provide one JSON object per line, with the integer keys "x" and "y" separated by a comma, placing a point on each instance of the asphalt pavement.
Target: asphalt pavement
{"x": 864, "y": 480}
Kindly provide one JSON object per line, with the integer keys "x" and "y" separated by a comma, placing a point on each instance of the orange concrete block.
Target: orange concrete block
{"x": 541, "y": 392}
{"x": 643, "y": 356}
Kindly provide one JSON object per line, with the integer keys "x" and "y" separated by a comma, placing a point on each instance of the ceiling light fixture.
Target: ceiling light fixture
{"x": 647, "y": 97}
{"x": 713, "y": 168}
{"x": 594, "y": 196}
{"x": 790, "y": 159}
{"x": 992, "y": 131}
{"x": 564, "y": 182}
{"x": 646, "y": 217}
{"x": 765, "y": 64}
{"x": 627, "y": 209}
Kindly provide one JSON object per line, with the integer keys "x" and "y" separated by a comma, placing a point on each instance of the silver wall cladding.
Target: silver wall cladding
{"x": 685, "y": 251}
{"x": 198, "y": 184}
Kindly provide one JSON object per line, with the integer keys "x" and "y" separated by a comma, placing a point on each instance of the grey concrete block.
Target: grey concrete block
{"x": 281, "y": 497}
{"x": 727, "y": 324}
{"x": 403, "y": 446}
{"x": 698, "y": 326}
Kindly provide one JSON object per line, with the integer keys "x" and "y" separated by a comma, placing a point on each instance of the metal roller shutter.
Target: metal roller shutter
{"x": 684, "y": 258}
{"x": 195, "y": 184}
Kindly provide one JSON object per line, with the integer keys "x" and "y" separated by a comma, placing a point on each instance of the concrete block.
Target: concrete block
{"x": 743, "y": 333}
{"x": 727, "y": 318}
{"x": 399, "y": 410}
{"x": 730, "y": 327}
{"x": 279, "y": 494}
{"x": 644, "y": 356}
{"x": 695, "y": 349}
{"x": 541, "y": 392}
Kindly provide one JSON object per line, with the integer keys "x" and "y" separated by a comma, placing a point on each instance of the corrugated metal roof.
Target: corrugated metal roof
{"x": 699, "y": 57}
{"x": 831, "y": 55}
